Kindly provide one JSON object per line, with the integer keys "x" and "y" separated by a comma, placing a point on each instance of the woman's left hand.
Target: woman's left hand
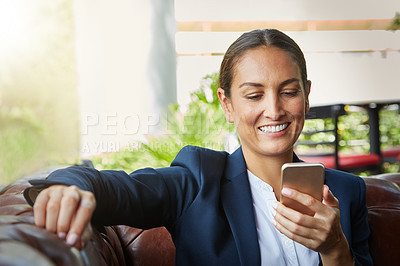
{"x": 321, "y": 232}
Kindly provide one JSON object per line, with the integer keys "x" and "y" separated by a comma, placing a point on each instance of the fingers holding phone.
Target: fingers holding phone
{"x": 300, "y": 227}
{"x": 320, "y": 232}
{"x": 308, "y": 212}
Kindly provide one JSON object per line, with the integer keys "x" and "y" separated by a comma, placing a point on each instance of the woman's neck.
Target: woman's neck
{"x": 267, "y": 168}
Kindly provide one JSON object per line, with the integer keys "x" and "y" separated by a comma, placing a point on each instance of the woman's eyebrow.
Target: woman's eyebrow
{"x": 255, "y": 84}
{"x": 251, "y": 84}
{"x": 287, "y": 82}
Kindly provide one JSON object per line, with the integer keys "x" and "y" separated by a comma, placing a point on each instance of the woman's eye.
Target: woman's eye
{"x": 253, "y": 97}
{"x": 290, "y": 93}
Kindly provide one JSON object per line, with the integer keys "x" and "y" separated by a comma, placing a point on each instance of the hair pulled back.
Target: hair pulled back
{"x": 254, "y": 39}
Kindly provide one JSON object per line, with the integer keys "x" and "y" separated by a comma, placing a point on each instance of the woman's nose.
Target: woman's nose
{"x": 273, "y": 108}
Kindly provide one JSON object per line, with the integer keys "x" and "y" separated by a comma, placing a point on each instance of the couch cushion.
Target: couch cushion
{"x": 147, "y": 247}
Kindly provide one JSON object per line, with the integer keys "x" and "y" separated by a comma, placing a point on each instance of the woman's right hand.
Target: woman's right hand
{"x": 66, "y": 211}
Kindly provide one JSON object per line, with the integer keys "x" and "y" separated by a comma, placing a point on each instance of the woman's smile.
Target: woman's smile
{"x": 273, "y": 128}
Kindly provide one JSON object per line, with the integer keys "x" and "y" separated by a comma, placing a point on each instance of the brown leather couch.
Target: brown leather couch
{"x": 21, "y": 243}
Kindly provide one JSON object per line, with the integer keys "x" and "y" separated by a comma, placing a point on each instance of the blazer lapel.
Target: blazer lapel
{"x": 238, "y": 205}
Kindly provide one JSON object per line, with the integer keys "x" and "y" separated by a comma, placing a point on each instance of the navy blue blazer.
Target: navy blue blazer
{"x": 204, "y": 201}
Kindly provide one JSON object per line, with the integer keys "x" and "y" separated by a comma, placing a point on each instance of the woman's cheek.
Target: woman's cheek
{"x": 300, "y": 123}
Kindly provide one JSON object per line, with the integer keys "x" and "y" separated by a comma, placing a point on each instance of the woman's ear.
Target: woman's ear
{"x": 226, "y": 104}
{"x": 307, "y": 107}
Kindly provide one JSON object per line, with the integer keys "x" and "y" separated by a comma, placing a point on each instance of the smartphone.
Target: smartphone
{"x": 307, "y": 178}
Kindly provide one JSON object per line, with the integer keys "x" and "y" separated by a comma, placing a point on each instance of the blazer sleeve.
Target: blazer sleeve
{"x": 145, "y": 199}
{"x": 360, "y": 229}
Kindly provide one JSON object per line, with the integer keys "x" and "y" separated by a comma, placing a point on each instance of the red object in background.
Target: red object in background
{"x": 393, "y": 152}
{"x": 345, "y": 161}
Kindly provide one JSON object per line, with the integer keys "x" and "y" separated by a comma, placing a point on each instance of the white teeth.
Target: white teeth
{"x": 272, "y": 129}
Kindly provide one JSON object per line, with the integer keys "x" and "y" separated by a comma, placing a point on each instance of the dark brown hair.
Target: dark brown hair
{"x": 254, "y": 39}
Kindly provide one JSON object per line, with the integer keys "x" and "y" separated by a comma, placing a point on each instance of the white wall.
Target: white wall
{"x": 344, "y": 66}
{"x": 119, "y": 70}
{"x": 264, "y": 10}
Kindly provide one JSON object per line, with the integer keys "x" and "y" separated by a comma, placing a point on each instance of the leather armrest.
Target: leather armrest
{"x": 22, "y": 243}
{"x": 383, "y": 202}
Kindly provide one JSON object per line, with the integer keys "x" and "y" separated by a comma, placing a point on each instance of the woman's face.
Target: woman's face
{"x": 267, "y": 103}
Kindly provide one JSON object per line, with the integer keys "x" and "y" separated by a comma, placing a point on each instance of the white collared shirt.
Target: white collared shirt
{"x": 275, "y": 248}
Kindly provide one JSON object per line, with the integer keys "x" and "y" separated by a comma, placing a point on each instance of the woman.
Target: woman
{"x": 221, "y": 209}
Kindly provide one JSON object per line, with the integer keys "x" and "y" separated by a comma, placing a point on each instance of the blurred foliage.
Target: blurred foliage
{"x": 390, "y": 136}
{"x": 395, "y": 24}
{"x": 201, "y": 123}
{"x": 21, "y": 135}
{"x": 353, "y": 130}
{"x": 38, "y": 108}
{"x": 390, "y": 128}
